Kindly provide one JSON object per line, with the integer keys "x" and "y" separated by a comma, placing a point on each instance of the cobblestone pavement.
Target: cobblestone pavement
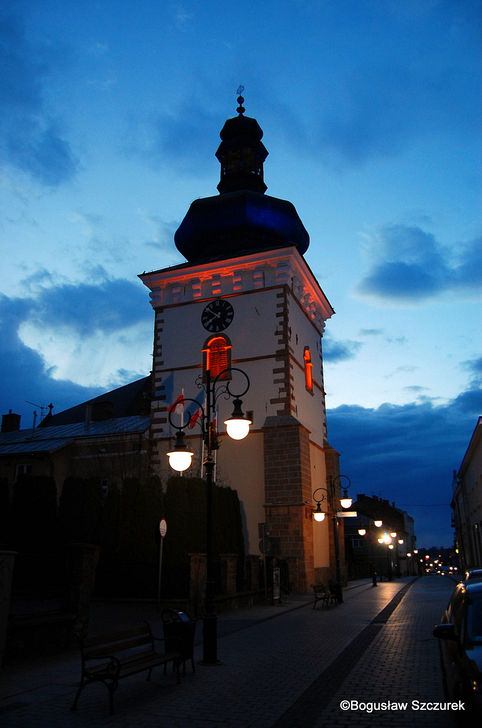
{"x": 274, "y": 663}
{"x": 400, "y": 666}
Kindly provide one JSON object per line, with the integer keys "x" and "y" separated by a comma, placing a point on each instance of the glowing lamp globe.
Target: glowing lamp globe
{"x": 179, "y": 460}
{"x": 362, "y": 531}
{"x": 378, "y": 523}
{"x": 180, "y": 457}
{"x": 346, "y": 502}
{"x": 319, "y": 516}
{"x": 237, "y": 426}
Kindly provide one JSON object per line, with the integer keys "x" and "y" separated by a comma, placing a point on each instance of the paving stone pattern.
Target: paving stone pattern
{"x": 272, "y": 657}
{"x": 401, "y": 665}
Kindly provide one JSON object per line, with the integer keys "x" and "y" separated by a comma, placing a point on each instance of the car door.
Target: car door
{"x": 453, "y": 650}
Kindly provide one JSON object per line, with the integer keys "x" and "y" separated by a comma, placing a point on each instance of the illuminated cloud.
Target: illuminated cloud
{"x": 68, "y": 342}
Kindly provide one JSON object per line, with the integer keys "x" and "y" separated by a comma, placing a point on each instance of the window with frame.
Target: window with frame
{"x": 308, "y": 366}
{"x": 22, "y": 469}
{"x": 217, "y": 356}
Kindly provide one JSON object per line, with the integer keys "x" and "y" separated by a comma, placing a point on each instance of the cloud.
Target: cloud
{"x": 163, "y": 237}
{"x": 84, "y": 308}
{"x": 380, "y": 332}
{"x": 31, "y": 139}
{"x": 403, "y": 369}
{"x": 181, "y": 16}
{"x": 410, "y": 266}
{"x": 474, "y": 366}
{"x": 407, "y": 453}
{"x": 371, "y": 332}
{"x": 184, "y": 138}
{"x": 396, "y": 340}
{"x": 337, "y": 351}
{"x": 82, "y": 329}
{"x": 416, "y": 389}
{"x": 23, "y": 373}
{"x": 399, "y": 85}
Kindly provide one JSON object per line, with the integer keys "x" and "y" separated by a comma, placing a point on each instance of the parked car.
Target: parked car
{"x": 475, "y": 573}
{"x": 460, "y": 635}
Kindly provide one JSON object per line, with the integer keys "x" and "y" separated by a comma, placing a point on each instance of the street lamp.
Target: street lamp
{"x": 319, "y": 515}
{"x": 237, "y": 427}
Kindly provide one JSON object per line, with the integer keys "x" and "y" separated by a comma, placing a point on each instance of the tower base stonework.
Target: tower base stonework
{"x": 287, "y": 492}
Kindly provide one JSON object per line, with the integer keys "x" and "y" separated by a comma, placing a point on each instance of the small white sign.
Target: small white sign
{"x": 347, "y": 514}
{"x": 163, "y": 527}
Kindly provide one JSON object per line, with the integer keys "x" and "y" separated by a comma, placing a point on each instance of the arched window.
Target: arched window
{"x": 217, "y": 356}
{"x": 308, "y": 369}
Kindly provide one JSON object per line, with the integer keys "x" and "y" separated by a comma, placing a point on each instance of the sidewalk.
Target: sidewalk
{"x": 272, "y": 656}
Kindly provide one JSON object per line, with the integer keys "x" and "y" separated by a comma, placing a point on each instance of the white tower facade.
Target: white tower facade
{"x": 270, "y": 324}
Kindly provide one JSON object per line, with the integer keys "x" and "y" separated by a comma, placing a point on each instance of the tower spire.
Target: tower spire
{"x": 240, "y": 101}
{"x": 242, "y": 219}
{"x": 241, "y": 153}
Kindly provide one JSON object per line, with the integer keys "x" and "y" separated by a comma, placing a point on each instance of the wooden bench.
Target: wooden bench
{"x": 324, "y": 595}
{"x": 107, "y": 658}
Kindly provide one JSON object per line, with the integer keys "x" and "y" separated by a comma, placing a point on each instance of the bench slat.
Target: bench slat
{"x": 109, "y": 648}
{"x": 118, "y": 636}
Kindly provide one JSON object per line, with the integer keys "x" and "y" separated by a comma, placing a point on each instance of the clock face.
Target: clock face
{"x": 217, "y": 315}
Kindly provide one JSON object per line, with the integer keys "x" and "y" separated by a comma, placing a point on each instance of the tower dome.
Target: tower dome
{"x": 242, "y": 219}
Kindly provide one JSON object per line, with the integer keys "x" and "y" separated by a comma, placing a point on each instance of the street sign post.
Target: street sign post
{"x": 162, "y": 532}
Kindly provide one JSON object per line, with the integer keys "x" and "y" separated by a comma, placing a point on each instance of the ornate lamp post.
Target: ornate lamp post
{"x": 237, "y": 427}
{"x": 319, "y": 515}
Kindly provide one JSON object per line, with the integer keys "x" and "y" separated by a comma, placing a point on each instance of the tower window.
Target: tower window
{"x": 217, "y": 356}
{"x": 308, "y": 369}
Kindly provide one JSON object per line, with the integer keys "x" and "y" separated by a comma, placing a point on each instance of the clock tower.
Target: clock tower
{"x": 246, "y": 298}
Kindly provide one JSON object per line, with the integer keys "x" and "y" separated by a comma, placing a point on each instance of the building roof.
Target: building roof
{"x": 131, "y": 400}
{"x": 53, "y": 438}
{"x": 471, "y": 448}
{"x": 379, "y": 508}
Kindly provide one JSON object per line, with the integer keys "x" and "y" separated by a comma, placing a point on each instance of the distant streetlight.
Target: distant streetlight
{"x": 319, "y": 515}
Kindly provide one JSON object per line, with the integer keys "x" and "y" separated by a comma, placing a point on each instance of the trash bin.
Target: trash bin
{"x": 179, "y": 634}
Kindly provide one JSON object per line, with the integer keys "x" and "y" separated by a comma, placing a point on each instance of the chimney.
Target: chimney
{"x": 10, "y": 422}
{"x": 88, "y": 416}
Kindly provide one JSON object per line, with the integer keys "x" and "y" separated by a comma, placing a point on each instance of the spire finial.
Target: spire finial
{"x": 240, "y": 101}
